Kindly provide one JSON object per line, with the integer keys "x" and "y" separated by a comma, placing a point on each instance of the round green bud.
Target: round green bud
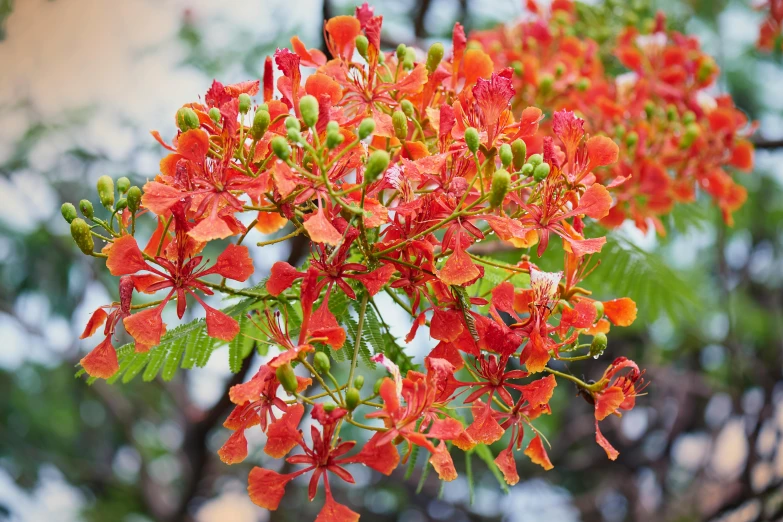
{"x": 408, "y": 108}
{"x": 583, "y": 84}
{"x": 292, "y": 123}
{"x": 545, "y": 83}
{"x": 121, "y": 204}
{"x": 334, "y": 139}
{"x": 506, "y": 155}
{"x": 105, "y": 187}
{"x": 358, "y": 382}
{"x": 472, "y": 139}
{"x": 434, "y": 56}
{"x": 400, "y": 124}
{"x": 280, "y": 148}
{"x": 187, "y": 119}
{"x": 294, "y": 135}
{"x": 80, "y": 232}
{"x": 541, "y": 172}
{"x": 321, "y": 362}
{"x": 631, "y": 139}
{"x": 134, "y": 199}
{"x": 519, "y": 151}
{"x": 244, "y": 102}
{"x": 376, "y": 388}
{"x": 692, "y": 131}
{"x": 535, "y": 159}
{"x": 671, "y": 112}
{"x": 285, "y": 374}
{"x": 410, "y": 58}
{"x": 527, "y": 169}
{"x": 649, "y": 109}
{"x": 376, "y": 165}
{"x": 214, "y": 114}
{"x": 559, "y": 70}
{"x": 518, "y": 68}
{"x": 366, "y": 127}
{"x": 261, "y": 122}
{"x": 598, "y": 345}
{"x": 619, "y": 131}
{"x": 308, "y": 106}
{"x": 68, "y": 211}
{"x": 329, "y": 407}
{"x": 688, "y": 117}
{"x": 332, "y": 127}
{"x": 352, "y": 398}
{"x": 362, "y": 43}
{"x": 599, "y": 309}
{"x": 501, "y": 180}
{"x": 123, "y": 184}
{"x": 86, "y": 207}
{"x": 401, "y": 51}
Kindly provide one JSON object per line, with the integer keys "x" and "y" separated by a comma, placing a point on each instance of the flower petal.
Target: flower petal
{"x": 146, "y": 327}
{"x": 125, "y": 257}
{"x": 535, "y": 450}
{"x": 266, "y": 487}
{"x": 508, "y": 466}
{"x": 443, "y": 464}
{"x": 234, "y": 263}
{"x": 101, "y": 362}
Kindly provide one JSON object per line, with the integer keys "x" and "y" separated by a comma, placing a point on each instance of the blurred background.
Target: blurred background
{"x": 83, "y": 82}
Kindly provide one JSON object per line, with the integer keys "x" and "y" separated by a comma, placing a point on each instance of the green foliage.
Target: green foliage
{"x": 485, "y": 454}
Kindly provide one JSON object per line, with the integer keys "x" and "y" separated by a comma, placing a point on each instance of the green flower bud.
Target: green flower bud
{"x": 244, "y": 103}
{"x": 410, "y": 58}
{"x": 518, "y": 68}
{"x": 334, "y": 139}
{"x": 366, "y": 127}
{"x": 376, "y": 388}
{"x": 649, "y": 109}
{"x": 545, "y": 84}
{"x": 261, "y": 122}
{"x": 631, "y": 139}
{"x": 134, "y": 199}
{"x": 519, "y": 151}
{"x": 583, "y": 84}
{"x": 541, "y": 172}
{"x": 86, "y": 207}
{"x": 706, "y": 68}
{"x": 401, "y": 51}
{"x": 599, "y": 309}
{"x": 285, "y": 374}
{"x": 121, "y": 204}
{"x": 280, "y": 148}
{"x": 407, "y": 108}
{"x": 80, "y": 232}
{"x": 187, "y": 119}
{"x": 358, "y": 382}
{"x": 688, "y": 117}
{"x": 619, "y": 131}
{"x": 68, "y": 211}
{"x": 214, "y": 114}
{"x": 332, "y": 127}
{"x": 308, "y": 106}
{"x": 361, "y": 45}
{"x": 321, "y": 362}
{"x": 692, "y": 131}
{"x": 472, "y": 139}
{"x": 376, "y": 165}
{"x": 294, "y": 135}
{"x": 598, "y": 345}
{"x": 123, "y": 184}
{"x": 671, "y": 112}
{"x": 535, "y": 159}
{"x": 506, "y": 155}
{"x": 329, "y": 407}
{"x": 352, "y": 398}
{"x": 501, "y": 180}
{"x": 400, "y": 124}
{"x": 434, "y": 56}
{"x": 527, "y": 169}
{"x": 292, "y": 123}
{"x": 559, "y": 70}
{"x": 106, "y": 191}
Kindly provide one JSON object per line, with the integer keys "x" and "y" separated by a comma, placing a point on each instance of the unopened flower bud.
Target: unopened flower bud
{"x": 329, "y": 407}
{"x": 631, "y": 139}
{"x": 80, "y": 232}
{"x": 123, "y": 184}
{"x": 366, "y": 127}
{"x": 280, "y": 148}
{"x": 244, "y": 103}
{"x": 86, "y": 207}
{"x": 583, "y": 84}
{"x": 501, "y": 180}
{"x": 400, "y": 124}
{"x": 334, "y": 138}
{"x": 518, "y": 68}
{"x": 376, "y": 164}
{"x": 410, "y": 58}
{"x": 121, "y": 204}
{"x": 261, "y": 122}
{"x": 361, "y": 45}
{"x": 407, "y": 108}
{"x": 541, "y": 172}
{"x": 352, "y": 398}
{"x": 68, "y": 211}
{"x": 506, "y": 156}
{"x": 545, "y": 84}
{"x": 535, "y": 159}
{"x": 527, "y": 170}
{"x": 106, "y": 191}
{"x": 308, "y": 106}
{"x": 401, "y": 52}
{"x": 559, "y": 70}
{"x": 519, "y": 152}
{"x": 598, "y": 345}
{"x": 321, "y": 362}
{"x": 472, "y": 139}
{"x": 285, "y": 374}
{"x": 134, "y": 199}
{"x": 294, "y": 135}
{"x": 688, "y": 117}
{"x": 434, "y": 56}
{"x": 187, "y": 119}
{"x": 292, "y": 123}
{"x": 214, "y": 114}
{"x": 599, "y": 309}
{"x": 692, "y": 131}
{"x": 649, "y": 109}
{"x": 671, "y": 112}
{"x": 376, "y": 388}
{"x": 358, "y": 382}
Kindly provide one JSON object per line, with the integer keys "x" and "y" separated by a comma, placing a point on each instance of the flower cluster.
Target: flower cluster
{"x": 395, "y": 165}
{"x": 675, "y": 138}
{"x": 771, "y": 30}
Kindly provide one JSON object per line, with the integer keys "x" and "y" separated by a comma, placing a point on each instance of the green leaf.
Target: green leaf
{"x": 469, "y": 474}
{"x": 485, "y": 454}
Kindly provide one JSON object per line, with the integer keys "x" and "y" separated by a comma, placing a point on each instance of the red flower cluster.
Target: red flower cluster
{"x": 771, "y": 30}
{"x": 394, "y": 165}
{"x": 674, "y": 136}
